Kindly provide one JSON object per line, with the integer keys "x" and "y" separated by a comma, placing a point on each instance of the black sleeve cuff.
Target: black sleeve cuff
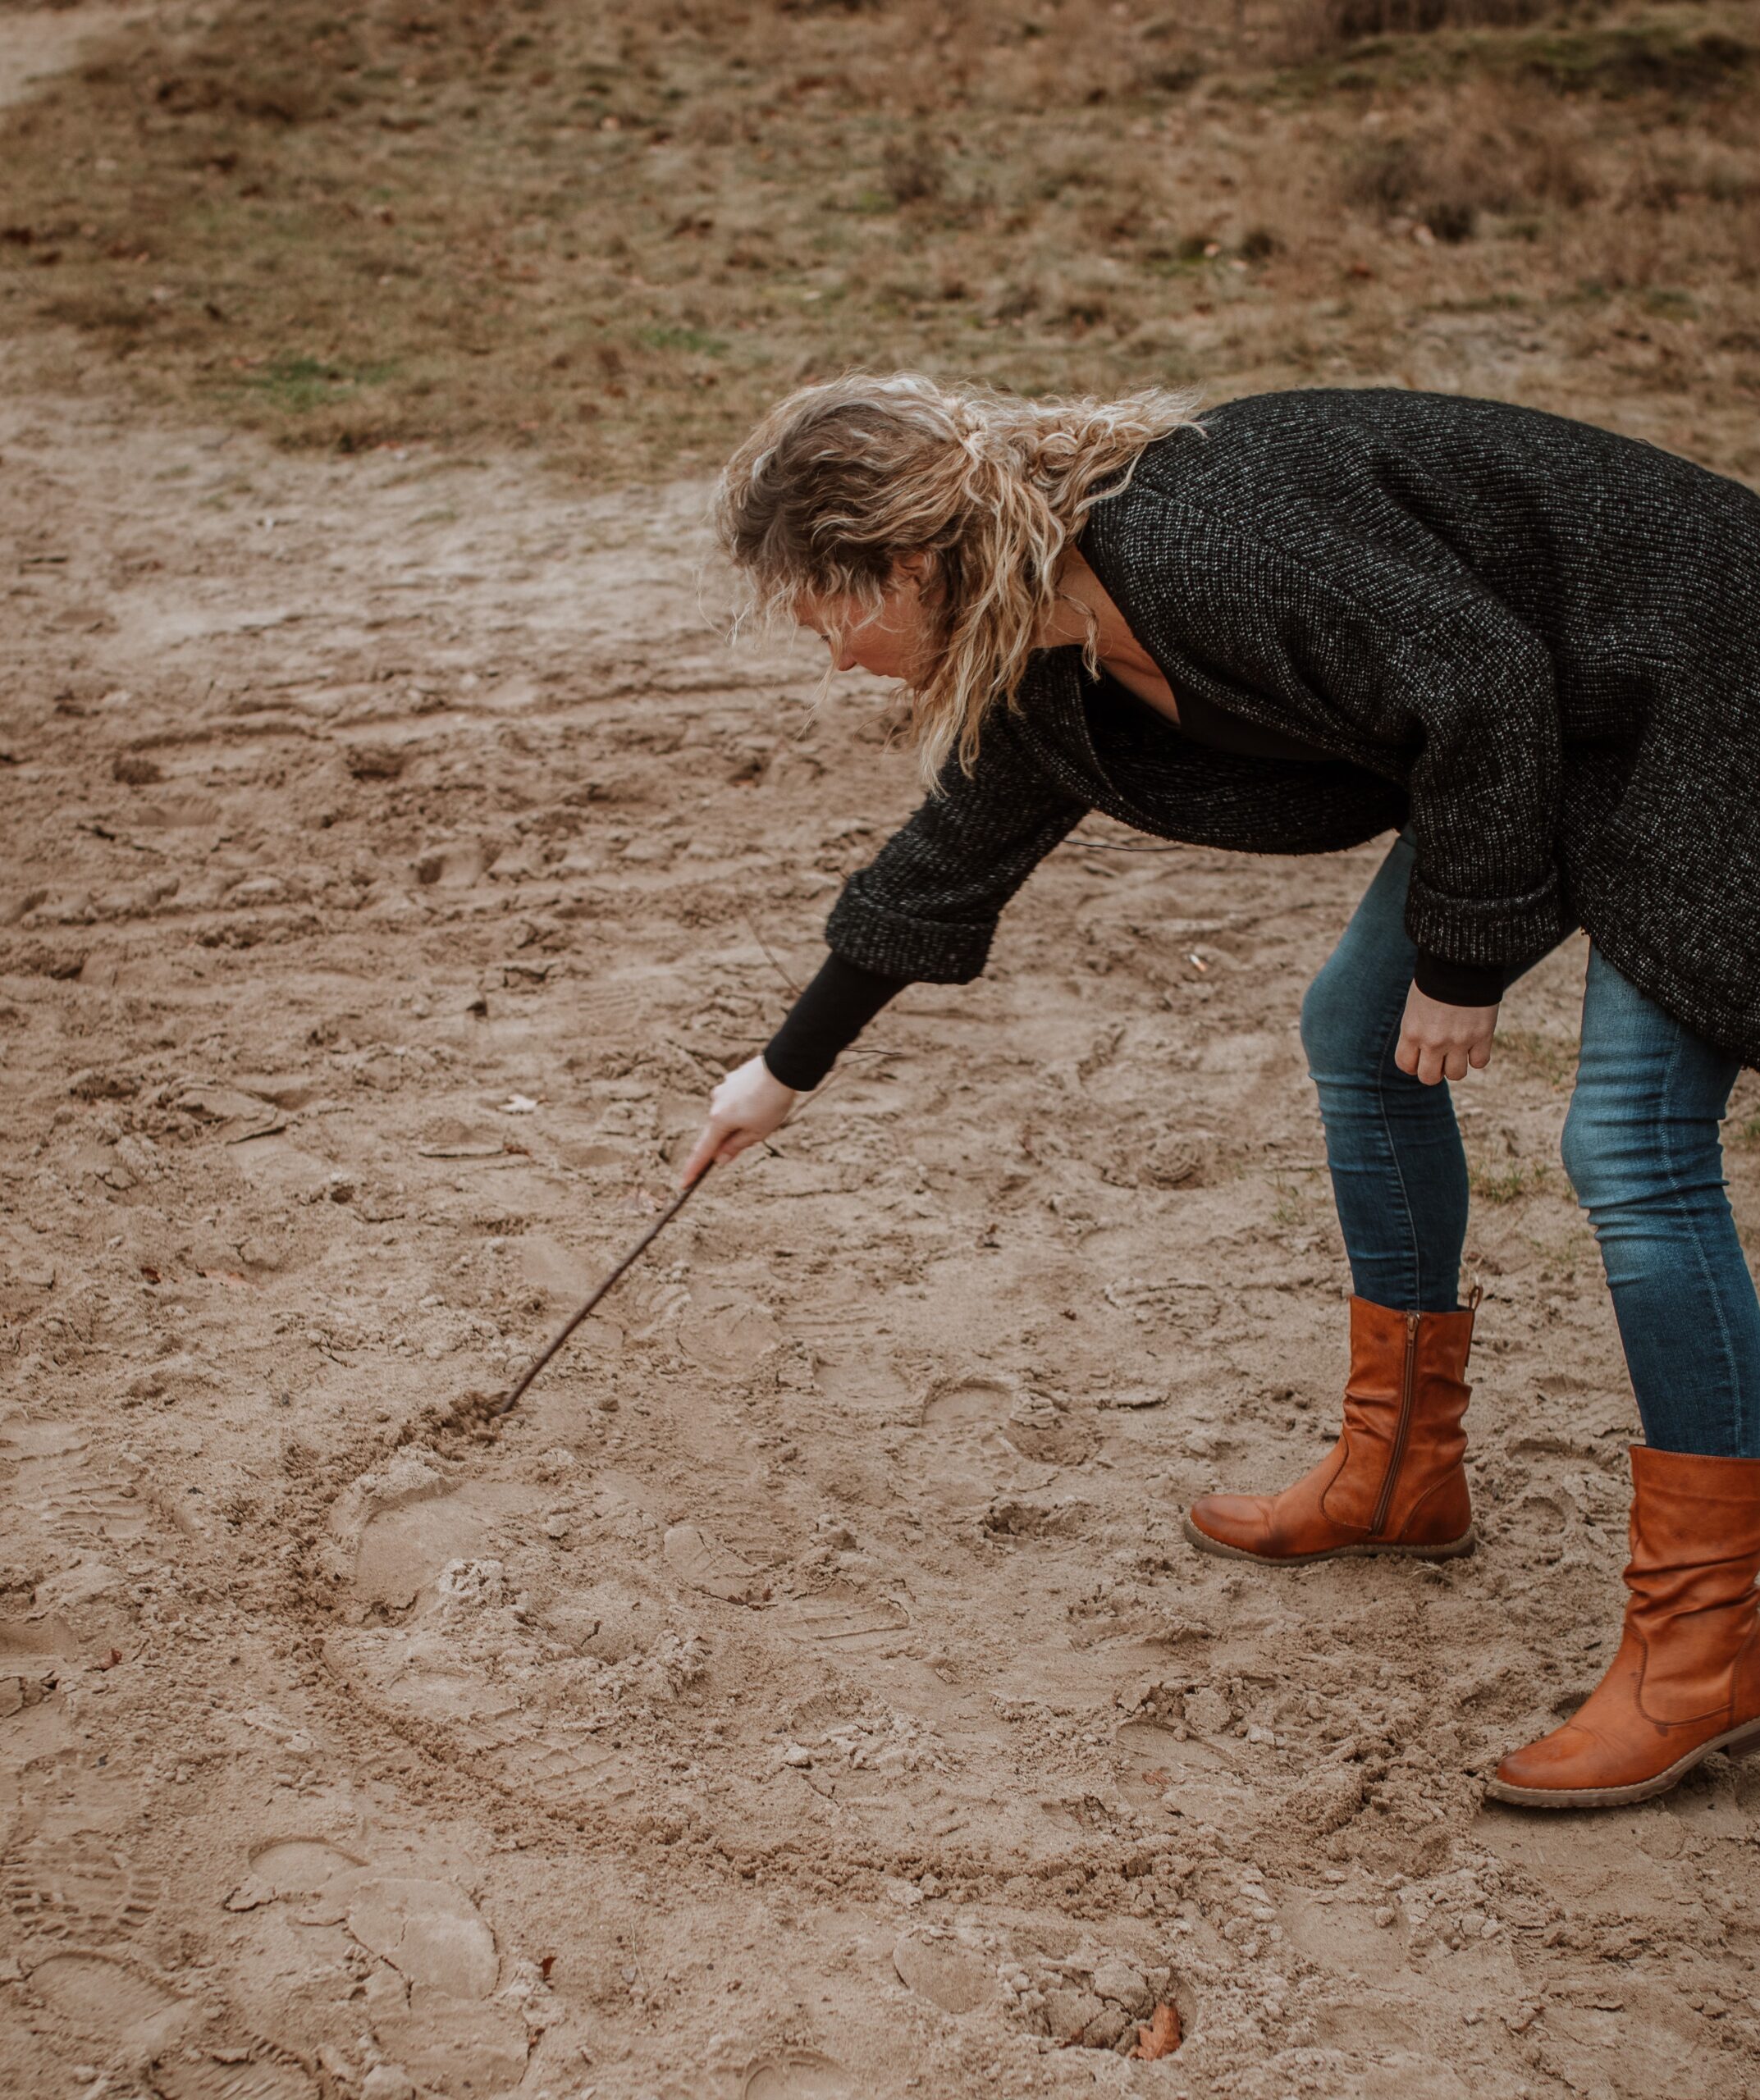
{"x": 1459, "y": 983}
{"x": 826, "y": 1019}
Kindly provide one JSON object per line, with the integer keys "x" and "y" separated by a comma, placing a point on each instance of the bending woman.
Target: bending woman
{"x": 1530, "y": 647}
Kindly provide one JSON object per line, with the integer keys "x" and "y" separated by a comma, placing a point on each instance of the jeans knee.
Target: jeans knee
{"x": 1335, "y": 1033}
{"x": 1583, "y": 1149}
{"x": 1612, "y": 1161}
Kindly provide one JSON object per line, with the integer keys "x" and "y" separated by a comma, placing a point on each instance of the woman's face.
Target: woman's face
{"x": 890, "y": 642}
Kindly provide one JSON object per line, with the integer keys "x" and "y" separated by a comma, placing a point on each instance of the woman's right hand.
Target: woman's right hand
{"x": 743, "y": 1110}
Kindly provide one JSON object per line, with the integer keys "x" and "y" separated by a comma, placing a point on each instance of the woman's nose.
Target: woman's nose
{"x": 844, "y": 659}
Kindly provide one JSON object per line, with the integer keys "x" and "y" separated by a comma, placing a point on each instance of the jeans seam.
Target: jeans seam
{"x": 1677, "y": 1199}
{"x": 1674, "y": 1205}
{"x": 1389, "y": 1042}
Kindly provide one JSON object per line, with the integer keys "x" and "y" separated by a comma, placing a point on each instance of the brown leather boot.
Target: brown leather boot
{"x": 1393, "y": 1482}
{"x": 1686, "y": 1680}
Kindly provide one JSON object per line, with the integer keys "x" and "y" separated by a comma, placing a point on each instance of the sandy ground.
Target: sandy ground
{"x": 807, "y": 1695}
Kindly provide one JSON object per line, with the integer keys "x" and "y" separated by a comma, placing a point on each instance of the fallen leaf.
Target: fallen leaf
{"x": 1161, "y": 2037}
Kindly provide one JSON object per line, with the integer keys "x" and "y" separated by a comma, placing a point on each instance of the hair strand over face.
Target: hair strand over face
{"x": 842, "y": 481}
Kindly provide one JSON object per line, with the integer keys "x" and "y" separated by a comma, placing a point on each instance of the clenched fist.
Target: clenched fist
{"x": 1439, "y": 1041}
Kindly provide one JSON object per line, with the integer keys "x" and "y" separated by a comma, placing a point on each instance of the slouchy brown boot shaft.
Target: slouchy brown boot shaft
{"x": 1394, "y": 1482}
{"x": 1686, "y": 1679}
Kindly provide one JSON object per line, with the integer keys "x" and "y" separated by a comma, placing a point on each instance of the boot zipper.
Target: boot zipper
{"x": 1402, "y": 1427}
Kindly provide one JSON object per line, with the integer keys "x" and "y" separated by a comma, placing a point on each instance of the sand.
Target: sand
{"x": 806, "y": 1694}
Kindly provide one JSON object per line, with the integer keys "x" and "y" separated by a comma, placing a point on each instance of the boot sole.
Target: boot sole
{"x": 1739, "y": 1743}
{"x": 1453, "y": 1550}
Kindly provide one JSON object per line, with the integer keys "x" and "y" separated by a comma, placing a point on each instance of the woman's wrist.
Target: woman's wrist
{"x": 1459, "y": 983}
{"x": 827, "y": 1017}
{"x": 794, "y": 1086}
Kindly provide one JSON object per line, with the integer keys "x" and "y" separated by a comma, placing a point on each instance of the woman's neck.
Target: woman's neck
{"x": 1084, "y": 607}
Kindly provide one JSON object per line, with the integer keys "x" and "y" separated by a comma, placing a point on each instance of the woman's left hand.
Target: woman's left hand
{"x": 1439, "y": 1041}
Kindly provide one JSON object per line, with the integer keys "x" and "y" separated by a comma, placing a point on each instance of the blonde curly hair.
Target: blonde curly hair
{"x": 841, "y": 481}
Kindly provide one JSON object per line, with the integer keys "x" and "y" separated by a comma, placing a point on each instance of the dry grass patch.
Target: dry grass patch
{"x": 614, "y": 235}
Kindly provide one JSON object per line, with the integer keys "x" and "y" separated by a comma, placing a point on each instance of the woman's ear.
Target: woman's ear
{"x": 914, "y": 571}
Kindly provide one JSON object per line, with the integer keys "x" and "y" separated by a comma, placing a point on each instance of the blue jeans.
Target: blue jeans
{"x": 1641, "y": 1147}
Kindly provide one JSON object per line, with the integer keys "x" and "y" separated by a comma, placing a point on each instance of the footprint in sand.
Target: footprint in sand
{"x": 946, "y": 1973}
{"x": 196, "y": 2076}
{"x": 700, "y": 1561}
{"x": 56, "y": 1486}
{"x": 530, "y": 1753}
{"x": 298, "y": 1866}
{"x": 430, "y": 1932}
{"x": 1537, "y": 1527}
{"x": 291, "y": 1866}
{"x": 102, "y": 1996}
{"x": 843, "y": 1622}
{"x": 29, "y": 1647}
{"x": 801, "y": 2074}
{"x": 1342, "y": 1934}
{"x": 852, "y": 1363}
{"x": 404, "y": 1546}
{"x": 1162, "y": 1304}
{"x": 447, "y": 2030}
{"x": 1187, "y": 1773}
{"x": 968, "y": 1452}
{"x": 724, "y": 1332}
{"x": 79, "y": 1888}
{"x": 621, "y": 1006}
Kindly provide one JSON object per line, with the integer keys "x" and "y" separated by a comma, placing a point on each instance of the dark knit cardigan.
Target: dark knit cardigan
{"x": 1537, "y": 642}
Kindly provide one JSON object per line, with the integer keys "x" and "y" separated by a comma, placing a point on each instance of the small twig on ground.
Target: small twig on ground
{"x": 793, "y": 990}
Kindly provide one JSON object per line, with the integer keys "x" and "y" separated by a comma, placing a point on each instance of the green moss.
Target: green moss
{"x": 296, "y": 386}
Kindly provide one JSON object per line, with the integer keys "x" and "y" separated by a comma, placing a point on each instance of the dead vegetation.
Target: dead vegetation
{"x": 614, "y": 233}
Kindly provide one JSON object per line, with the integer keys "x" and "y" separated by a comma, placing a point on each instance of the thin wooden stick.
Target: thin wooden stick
{"x": 510, "y": 1399}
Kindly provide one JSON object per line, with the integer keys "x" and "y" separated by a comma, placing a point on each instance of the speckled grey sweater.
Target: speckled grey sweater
{"x": 1538, "y": 642}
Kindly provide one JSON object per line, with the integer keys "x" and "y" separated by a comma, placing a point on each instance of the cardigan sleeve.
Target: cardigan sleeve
{"x": 1407, "y": 664}
{"x": 825, "y": 1019}
{"x": 1477, "y": 692}
{"x": 926, "y": 906}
